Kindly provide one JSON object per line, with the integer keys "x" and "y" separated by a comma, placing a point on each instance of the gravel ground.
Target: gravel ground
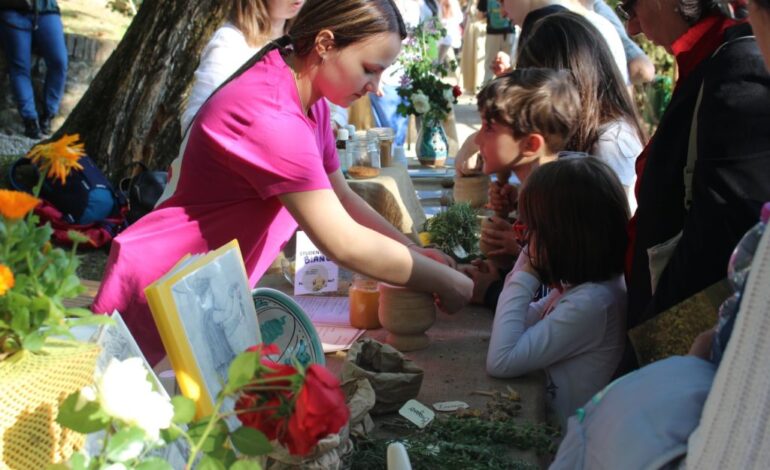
{"x": 15, "y": 144}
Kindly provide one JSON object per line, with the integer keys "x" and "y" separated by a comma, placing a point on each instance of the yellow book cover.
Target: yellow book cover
{"x": 205, "y": 315}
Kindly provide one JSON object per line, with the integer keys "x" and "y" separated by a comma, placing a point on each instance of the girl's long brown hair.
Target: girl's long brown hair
{"x": 567, "y": 41}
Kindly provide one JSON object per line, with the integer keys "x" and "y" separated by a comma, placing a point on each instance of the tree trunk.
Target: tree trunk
{"x": 131, "y": 110}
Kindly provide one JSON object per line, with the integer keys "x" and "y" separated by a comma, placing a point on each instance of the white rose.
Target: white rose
{"x": 420, "y": 102}
{"x": 126, "y": 394}
{"x": 448, "y": 95}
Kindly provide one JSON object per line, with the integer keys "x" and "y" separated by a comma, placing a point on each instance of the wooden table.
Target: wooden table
{"x": 455, "y": 361}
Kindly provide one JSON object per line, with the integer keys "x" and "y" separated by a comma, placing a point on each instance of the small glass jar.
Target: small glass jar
{"x": 384, "y": 137}
{"x": 364, "y": 158}
{"x": 364, "y": 303}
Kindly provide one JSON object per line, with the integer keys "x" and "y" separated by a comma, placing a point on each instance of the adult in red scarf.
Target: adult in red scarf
{"x": 719, "y": 115}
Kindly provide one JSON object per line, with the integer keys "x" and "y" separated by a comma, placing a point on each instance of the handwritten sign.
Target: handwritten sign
{"x": 417, "y": 413}
{"x": 315, "y": 273}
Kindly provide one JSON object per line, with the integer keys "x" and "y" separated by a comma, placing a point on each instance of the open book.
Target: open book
{"x": 205, "y": 315}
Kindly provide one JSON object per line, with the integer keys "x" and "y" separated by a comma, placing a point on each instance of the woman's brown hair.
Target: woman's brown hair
{"x": 533, "y": 101}
{"x": 351, "y": 21}
{"x": 252, "y": 18}
{"x": 567, "y": 41}
{"x": 576, "y": 212}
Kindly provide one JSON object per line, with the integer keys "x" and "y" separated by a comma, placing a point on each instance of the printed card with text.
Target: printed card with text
{"x": 314, "y": 273}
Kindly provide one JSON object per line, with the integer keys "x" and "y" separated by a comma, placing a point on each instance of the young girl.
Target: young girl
{"x": 251, "y": 24}
{"x": 574, "y": 214}
{"x": 260, "y": 159}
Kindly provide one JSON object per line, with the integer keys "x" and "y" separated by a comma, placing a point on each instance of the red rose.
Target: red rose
{"x": 457, "y": 91}
{"x": 320, "y": 410}
{"x": 269, "y": 408}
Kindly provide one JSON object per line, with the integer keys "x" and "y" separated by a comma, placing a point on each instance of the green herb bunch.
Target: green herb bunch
{"x": 458, "y": 225}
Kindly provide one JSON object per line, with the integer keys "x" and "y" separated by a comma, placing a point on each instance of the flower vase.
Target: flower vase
{"x": 33, "y": 387}
{"x": 432, "y": 144}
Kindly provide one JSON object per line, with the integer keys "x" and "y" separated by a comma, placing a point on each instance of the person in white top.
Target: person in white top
{"x": 251, "y": 24}
{"x": 451, "y": 17}
{"x": 609, "y": 128}
{"x": 526, "y": 14}
{"x": 574, "y": 215}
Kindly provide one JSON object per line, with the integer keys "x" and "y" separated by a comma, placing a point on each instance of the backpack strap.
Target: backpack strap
{"x": 15, "y": 183}
{"x": 692, "y": 146}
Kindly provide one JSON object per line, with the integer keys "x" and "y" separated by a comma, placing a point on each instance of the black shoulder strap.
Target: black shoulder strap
{"x": 281, "y": 43}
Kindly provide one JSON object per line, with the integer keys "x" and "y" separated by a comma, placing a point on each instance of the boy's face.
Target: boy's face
{"x": 499, "y": 149}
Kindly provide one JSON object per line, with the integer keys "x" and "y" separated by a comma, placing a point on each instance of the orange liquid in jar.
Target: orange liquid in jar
{"x": 364, "y": 303}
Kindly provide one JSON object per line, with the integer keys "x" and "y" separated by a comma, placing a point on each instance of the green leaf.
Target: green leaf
{"x": 88, "y": 321}
{"x": 209, "y": 463}
{"x": 184, "y": 409}
{"x": 224, "y": 455}
{"x": 20, "y": 320}
{"x": 79, "y": 461}
{"x": 82, "y": 312}
{"x": 241, "y": 371}
{"x": 214, "y": 440}
{"x": 126, "y": 444}
{"x": 154, "y": 463}
{"x": 246, "y": 465}
{"x": 170, "y": 434}
{"x": 86, "y": 420}
{"x": 249, "y": 441}
{"x": 76, "y": 236}
{"x": 34, "y": 342}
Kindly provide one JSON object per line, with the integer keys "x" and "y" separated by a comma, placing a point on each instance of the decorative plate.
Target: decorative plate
{"x": 283, "y": 322}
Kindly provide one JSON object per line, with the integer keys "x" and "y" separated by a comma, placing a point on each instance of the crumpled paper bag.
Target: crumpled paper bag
{"x": 328, "y": 454}
{"x": 360, "y": 399}
{"x": 394, "y": 378}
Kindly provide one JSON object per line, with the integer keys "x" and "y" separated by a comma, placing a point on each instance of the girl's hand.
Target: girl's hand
{"x": 523, "y": 263}
{"x": 502, "y": 197}
{"x": 500, "y": 234}
{"x": 456, "y": 295}
{"x": 483, "y": 273}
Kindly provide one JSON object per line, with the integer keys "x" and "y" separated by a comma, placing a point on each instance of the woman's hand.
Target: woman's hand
{"x": 436, "y": 255}
{"x": 457, "y": 294}
{"x": 502, "y": 197}
{"x": 701, "y": 346}
{"x": 500, "y": 234}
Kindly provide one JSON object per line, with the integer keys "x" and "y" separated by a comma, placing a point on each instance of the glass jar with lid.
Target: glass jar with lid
{"x": 364, "y": 157}
{"x": 384, "y": 137}
{"x": 364, "y": 298}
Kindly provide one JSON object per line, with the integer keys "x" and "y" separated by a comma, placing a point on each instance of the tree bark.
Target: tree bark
{"x": 131, "y": 110}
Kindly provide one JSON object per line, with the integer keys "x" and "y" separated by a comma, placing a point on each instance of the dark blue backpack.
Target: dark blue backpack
{"x": 86, "y": 196}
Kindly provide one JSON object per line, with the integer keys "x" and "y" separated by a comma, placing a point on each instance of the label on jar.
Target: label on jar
{"x": 314, "y": 272}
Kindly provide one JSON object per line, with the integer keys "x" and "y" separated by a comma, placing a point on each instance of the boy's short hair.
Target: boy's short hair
{"x": 533, "y": 101}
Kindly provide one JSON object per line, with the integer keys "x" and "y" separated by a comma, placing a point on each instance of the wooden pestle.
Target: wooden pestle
{"x": 501, "y": 261}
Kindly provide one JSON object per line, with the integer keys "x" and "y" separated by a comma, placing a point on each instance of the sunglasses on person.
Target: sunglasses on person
{"x": 520, "y": 233}
{"x": 625, "y": 10}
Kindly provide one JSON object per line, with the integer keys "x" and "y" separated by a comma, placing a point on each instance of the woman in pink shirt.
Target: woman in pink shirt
{"x": 260, "y": 158}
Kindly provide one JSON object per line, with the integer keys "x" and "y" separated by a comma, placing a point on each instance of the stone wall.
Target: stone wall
{"x": 86, "y": 56}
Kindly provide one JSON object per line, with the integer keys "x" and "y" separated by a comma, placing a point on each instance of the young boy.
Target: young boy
{"x": 527, "y": 115}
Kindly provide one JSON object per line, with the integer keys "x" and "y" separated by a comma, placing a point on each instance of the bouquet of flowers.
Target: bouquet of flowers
{"x": 292, "y": 405}
{"x": 34, "y": 276}
{"x": 425, "y": 94}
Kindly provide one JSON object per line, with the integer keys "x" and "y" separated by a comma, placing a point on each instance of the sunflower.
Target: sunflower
{"x": 6, "y": 279}
{"x": 59, "y": 157}
{"x": 16, "y": 204}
